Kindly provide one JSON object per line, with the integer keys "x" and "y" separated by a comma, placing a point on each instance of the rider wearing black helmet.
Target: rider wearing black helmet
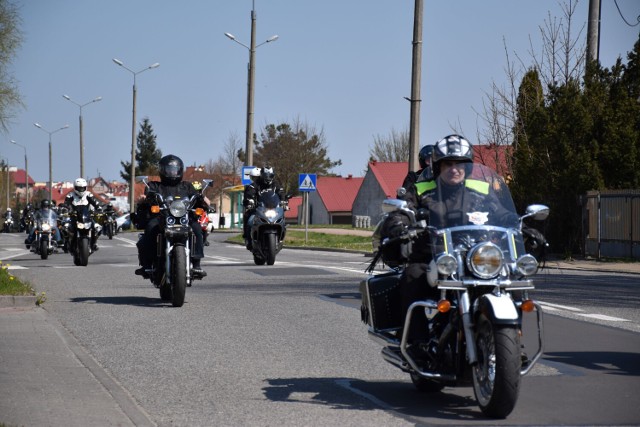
{"x": 171, "y": 170}
{"x": 266, "y": 181}
{"x": 44, "y": 213}
{"x": 425, "y": 172}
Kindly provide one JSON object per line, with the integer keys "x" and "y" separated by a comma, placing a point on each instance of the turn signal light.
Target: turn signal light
{"x": 444, "y": 306}
{"x": 155, "y": 209}
{"x": 199, "y": 211}
{"x": 528, "y": 306}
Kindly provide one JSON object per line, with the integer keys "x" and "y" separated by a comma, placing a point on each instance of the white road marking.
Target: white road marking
{"x": 559, "y": 307}
{"x": 603, "y": 317}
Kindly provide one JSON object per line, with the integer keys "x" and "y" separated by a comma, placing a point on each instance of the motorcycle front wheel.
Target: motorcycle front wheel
{"x": 44, "y": 250}
{"x": 270, "y": 248}
{"x": 179, "y": 273}
{"x": 110, "y": 231}
{"x": 496, "y": 376}
{"x": 83, "y": 252}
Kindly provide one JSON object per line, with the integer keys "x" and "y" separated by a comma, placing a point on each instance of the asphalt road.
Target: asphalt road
{"x": 284, "y": 345}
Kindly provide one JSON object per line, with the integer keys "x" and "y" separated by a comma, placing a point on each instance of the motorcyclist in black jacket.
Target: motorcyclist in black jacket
{"x": 445, "y": 201}
{"x": 171, "y": 169}
{"x": 425, "y": 172}
{"x": 264, "y": 182}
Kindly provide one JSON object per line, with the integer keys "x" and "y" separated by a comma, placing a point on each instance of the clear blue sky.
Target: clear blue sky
{"x": 343, "y": 66}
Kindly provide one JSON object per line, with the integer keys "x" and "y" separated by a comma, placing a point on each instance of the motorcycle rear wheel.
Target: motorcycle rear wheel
{"x": 44, "y": 251}
{"x": 496, "y": 376}
{"x": 179, "y": 273}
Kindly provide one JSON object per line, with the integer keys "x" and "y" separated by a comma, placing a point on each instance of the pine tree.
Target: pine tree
{"x": 147, "y": 154}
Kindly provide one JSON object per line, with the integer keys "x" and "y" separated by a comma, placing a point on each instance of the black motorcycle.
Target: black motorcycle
{"x": 171, "y": 270}
{"x": 268, "y": 228}
{"x": 43, "y": 243}
{"x": 82, "y": 232}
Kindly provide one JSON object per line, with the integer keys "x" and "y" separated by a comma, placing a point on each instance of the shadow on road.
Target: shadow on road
{"x": 608, "y": 362}
{"x": 125, "y": 300}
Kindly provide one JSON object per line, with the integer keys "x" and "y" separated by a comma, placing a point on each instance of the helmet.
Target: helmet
{"x": 452, "y": 147}
{"x": 45, "y": 204}
{"x": 424, "y": 156}
{"x": 197, "y": 185}
{"x": 254, "y": 174}
{"x": 267, "y": 174}
{"x": 80, "y": 186}
{"x": 8, "y": 209}
{"x": 171, "y": 169}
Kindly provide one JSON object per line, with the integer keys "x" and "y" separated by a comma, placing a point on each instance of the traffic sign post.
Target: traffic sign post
{"x": 306, "y": 183}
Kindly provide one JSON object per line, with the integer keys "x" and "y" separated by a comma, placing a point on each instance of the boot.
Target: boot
{"x": 196, "y": 270}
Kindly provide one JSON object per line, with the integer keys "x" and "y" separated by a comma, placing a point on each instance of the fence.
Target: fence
{"x": 611, "y": 224}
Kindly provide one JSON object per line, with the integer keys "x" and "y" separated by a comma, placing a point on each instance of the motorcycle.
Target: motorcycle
{"x": 8, "y": 224}
{"x": 43, "y": 243}
{"x": 64, "y": 227}
{"x": 206, "y": 224}
{"x": 107, "y": 223}
{"x": 172, "y": 271}
{"x": 268, "y": 228}
{"x": 483, "y": 275}
{"x": 82, "y": 231}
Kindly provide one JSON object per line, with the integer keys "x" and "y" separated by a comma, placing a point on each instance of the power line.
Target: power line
{"x": 625, "y": 21}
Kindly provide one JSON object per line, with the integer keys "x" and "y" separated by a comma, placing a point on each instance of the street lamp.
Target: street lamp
{"x": 251, "y": 78}
{"x": 99, "y": 98}
{"x": 133, "y": 132}
{"x": 26, "y": 167}
{"x": 50, "y": 168}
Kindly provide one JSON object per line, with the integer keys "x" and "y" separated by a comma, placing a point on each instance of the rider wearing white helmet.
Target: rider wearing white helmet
{"x": 81, "y": 196}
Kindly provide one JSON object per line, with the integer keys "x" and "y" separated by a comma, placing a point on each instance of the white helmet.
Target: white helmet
{"x": 254, "y": 174}
{"x": 8, "y": 209}
{"x": 80, "y": 187}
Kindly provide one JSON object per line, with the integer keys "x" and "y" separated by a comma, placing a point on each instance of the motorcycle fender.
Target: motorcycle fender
{"x": 499, "y": 309}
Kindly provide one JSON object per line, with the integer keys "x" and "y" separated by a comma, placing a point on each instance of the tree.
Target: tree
{"x": 292, "y": 149}
{"x": 10, "y": 42}
{"x": 147, "y": 154}
{"x": 391, "y": 148}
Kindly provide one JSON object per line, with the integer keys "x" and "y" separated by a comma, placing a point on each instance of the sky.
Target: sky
{"x": 342, "y": 67}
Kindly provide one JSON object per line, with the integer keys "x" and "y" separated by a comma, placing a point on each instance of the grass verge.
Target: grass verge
{"x": 314, "y": 239}
{"x": 11, "y": 285}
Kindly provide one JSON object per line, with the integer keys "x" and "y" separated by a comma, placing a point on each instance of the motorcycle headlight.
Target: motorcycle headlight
{"x": 446, "y": 264}
{"x": 485, "y": 260}
{"x": 271, "y": 214}
{"x": 80, "y": 225}
{"x": 46, "y": 227}
{"x": 178, "y": 208}
{"x": 527, "y": 265}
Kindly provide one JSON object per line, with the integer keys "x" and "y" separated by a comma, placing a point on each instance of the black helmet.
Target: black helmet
{"x": 452, "y": 147}
{"x": 424, "y": 156}
{"x": 45, "y": 204}
{"x": 267, "y": 174}
{"x": 171, "y": 169}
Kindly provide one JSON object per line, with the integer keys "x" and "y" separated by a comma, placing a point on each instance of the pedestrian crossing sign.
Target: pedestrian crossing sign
{"x": 307, "y": 182}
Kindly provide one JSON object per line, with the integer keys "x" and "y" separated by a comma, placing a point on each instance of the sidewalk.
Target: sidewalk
{"x": 48, "y": 379}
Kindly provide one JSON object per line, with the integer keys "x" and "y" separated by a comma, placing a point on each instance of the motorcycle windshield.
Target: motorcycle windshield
{"x": 82, "y": 213}
{"x": 269, "y": 200}
{"x": 473, "y": 194}
{"x": 478, "y": 209}
{"x": 48, "y": 217}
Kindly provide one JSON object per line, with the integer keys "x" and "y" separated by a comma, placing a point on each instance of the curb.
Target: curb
{"x": 18, "y": 301}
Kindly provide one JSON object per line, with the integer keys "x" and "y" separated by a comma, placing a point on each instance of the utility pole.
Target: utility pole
{"x": 416, "y": 71}
{"x": 593, "y": 31}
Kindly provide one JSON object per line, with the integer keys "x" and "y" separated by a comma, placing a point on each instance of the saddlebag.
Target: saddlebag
{"x": 381, "y": 301}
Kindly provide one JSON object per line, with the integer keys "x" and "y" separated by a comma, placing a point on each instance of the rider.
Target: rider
{"x": 45, "y": 213}
{"x": 445, "y": 200}
{"x": 264, "y": 181}
{"x": 425, "y": 173}
{"x": 24, "y": 216}
{"x": 81, "y": 196}
{"x": 198, "y": 187}
{"x": 171, "y": 169}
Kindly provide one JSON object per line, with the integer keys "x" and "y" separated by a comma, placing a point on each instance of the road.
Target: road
{"x": 284, "y": 345}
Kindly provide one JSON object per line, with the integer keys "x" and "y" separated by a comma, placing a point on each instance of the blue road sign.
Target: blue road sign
{"x": 246, "y": 179}
{"x": 307, "y": 182}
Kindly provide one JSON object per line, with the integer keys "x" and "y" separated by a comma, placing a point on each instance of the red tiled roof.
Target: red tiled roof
{"x": 338, "y": 193}
{"x": 390, "y": 175}
{"x": 294, "y": 205}
{"x": 493, "y": 155}
{"x": 18, "y": 177}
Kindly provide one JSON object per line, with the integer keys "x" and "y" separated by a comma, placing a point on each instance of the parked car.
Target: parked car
{"x": 123, "y": 222}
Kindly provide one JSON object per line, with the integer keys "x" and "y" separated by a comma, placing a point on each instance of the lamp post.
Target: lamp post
{"x": 50, "y": 162}
{"x": 6, "y": 160}
{"x": 133, "y": 132}
{"x": 26, "y": 167}
{"x": 250, "y": 84}
{"x": 99, "y": 98}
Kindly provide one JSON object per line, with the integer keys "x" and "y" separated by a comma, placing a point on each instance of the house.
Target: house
{"x": 332, "y": 201}
{"x": 19, "y": 178}
{"x": 381, "y": 182}
{"x": 295, "y": 208}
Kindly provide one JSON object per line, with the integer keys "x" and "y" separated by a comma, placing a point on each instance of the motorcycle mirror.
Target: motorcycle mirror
{"x": 142, "y": 178}
{"x": 401, "y": 192}
{"x": 207, "y": 182}
{"x": 537, "y": 212}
